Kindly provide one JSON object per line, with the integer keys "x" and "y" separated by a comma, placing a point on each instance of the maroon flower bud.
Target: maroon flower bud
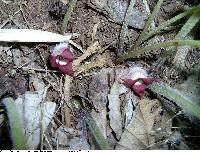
{"x": 129, "y": 82}
{"x": 62, "y": 58}
{"x": 140, "y": 87}
{"x": 67, "y": 69}
{"x": 149, "y": 80}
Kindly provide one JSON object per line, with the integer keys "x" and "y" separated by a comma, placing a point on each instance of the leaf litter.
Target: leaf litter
{"x": 124, "y": 120}
{"x": 137, "y": 133}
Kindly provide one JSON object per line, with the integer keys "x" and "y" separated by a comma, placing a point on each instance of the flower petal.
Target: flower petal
{"x": 129, "y": 82}
{"x": 139, "y": 89}
{"x": 67, "y": 69}
{"x": 53, "y": 61}
{"x": 67, "y": 54}
{"x": 148, "y": 81}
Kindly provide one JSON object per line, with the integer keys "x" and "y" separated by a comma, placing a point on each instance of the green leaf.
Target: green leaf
{"x": 99, "y": 138}
{"x": 15, "y": 124}
{"x": 141, "y": 51}
{"x": 169, "y": 22}
{"x": 181, "y": 53}
{"x": 148, "y": 23}
{"x": 189, "y": 107}
{"x": 71, "y": 6}
{"x": 189, "y": 25}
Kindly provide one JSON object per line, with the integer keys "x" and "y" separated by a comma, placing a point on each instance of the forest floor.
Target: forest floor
{"x": 124, "y": 120}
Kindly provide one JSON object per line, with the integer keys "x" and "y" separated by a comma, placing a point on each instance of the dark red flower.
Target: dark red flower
{"x": 140, "y": 87}
{"x": 62, "y": 58}
{"x": 67, "y": 69}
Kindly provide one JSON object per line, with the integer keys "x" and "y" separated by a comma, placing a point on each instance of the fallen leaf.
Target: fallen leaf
{"x": 30, "y": 110}
{"x": 114, "y": 106}
{"x": 63, "y": 136}
{"x": 128, "y": 111}
{"x": 23, "y": 35}
{"x": 137, "y": 133}
{"x": 34, "y": 112}
{"x": 97, "y": 93}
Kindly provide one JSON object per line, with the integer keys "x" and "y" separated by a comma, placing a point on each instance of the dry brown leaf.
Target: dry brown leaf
{"x": 94, "y": 48}
{"x": 137, "y": 133}
{"x": 101, "y": 61}
{"x": 97, "y": 93}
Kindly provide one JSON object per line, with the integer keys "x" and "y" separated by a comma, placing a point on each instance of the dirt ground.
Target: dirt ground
{"x": 21, "y": 62}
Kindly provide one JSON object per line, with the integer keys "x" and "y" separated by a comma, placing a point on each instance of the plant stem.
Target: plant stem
{"x": 71, "y": 6}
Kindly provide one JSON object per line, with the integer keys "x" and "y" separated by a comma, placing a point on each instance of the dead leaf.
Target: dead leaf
{"x": 97, "y": 93}
{"x": 114, "y": 106}
{"x": 30, "y": 110}
{"x": 137, "y": 133}
{"x": 102, "y": 124}
{"x": 131, "y": 101}
{"x": 34, "y": 111}
{"x": 63, "y": 135}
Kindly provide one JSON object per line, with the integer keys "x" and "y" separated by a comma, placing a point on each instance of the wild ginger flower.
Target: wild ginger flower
{"x": 141, "y": 85}
{"x": 62, "y": 58}
{"x": 138, "y": 80}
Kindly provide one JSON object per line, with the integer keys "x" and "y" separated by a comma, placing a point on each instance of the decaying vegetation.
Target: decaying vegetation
{"x": 119, "y": 74}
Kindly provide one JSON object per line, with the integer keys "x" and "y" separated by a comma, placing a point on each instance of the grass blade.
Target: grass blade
{"x": 71, "y": 6}
{"x": 143, "y": 51}
{"x": 189, "y": 25}
{"x": 99, "y": 138}
{"x": 169, "y": 22}
{"x": 181, "y": 53}
{"x": 188, "y": 106}
{"x": 148, "y": 23}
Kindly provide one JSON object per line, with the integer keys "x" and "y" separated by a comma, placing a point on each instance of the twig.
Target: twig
{"x": 9, "y": 19}
{"x": 42, "y": 117}
{"x": 76, "y": 46}
{"x": 90, "y": 51}
{"x": 21, "y": 9}
{"x": 48, "y": 142}
{"x": 45, "y": 66}
{"x": 36, "y": 69}
{"x": 22, "y": 65}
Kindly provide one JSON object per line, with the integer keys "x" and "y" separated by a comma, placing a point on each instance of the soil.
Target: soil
{"x": 48, "y": 15}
